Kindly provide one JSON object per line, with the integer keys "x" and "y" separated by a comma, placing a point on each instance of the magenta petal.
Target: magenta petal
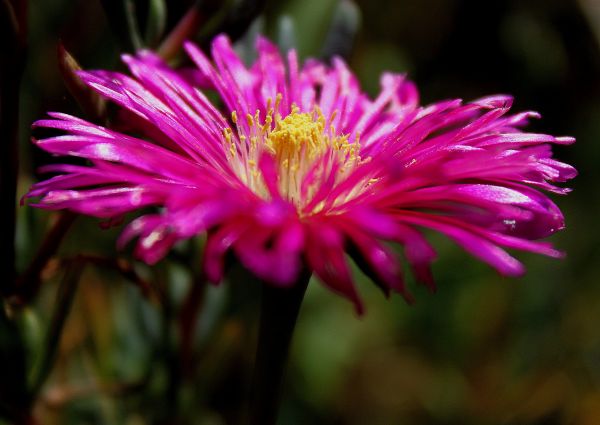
{"x": 381, "y": 261}
{"x": 217, "y": 245}
{"x": 475, "y": 245}
{"x": 325, "y": 256}
{"x": 272, "y": 73}
{"x": 154, "y": 238}
{"x": 419, "y": 254}
{"x": 263, "y": 251}
{"x": 269, "y": 175}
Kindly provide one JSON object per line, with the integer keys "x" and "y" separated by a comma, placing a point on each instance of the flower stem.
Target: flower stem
{"x": 29, "y": 282}
{"x": 64, "y": 301}
{"x": 279, "y": 311}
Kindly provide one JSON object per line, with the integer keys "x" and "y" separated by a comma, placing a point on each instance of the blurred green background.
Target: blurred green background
{"x": 482, "y": 350}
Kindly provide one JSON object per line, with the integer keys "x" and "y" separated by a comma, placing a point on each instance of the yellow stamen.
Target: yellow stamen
{"x": 295, "y": 141}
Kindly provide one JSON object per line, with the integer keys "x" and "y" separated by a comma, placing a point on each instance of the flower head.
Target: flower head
{"x": 300, "y": 167}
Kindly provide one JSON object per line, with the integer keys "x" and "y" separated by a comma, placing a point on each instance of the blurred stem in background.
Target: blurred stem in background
{"x": 14, "y": 394}
{"x": 13, "y": 33}
{"x": 186, "y": 28}
{"x": 64, "y": 300}
{"x": 30, "y": 280}
{"x": 188, "y": 320}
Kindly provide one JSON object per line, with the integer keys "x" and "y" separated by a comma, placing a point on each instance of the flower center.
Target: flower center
{"x": 296, "y": 138}
{"x": 305, "y": 146}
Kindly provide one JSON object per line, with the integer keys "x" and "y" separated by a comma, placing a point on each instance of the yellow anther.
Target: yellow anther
{"x": 297, "y": 132}
{"x": 295, "y": 141}
{"x": 268, "y": 120}
{"x": 333, "y": 116}
{"x": 318, "y": 110}
{"x": 227, "y": 134}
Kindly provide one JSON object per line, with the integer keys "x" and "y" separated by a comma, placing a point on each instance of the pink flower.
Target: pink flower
{"x": 303, "y": 168}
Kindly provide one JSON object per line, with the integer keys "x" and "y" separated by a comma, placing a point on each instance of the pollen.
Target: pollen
{"x": 300, "y": 142}
{"x": 296, "y": 136}
{"x": 300, "y": 138}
